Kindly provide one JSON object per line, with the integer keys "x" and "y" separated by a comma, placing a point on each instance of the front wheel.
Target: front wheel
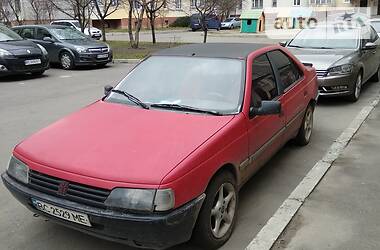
{"x": 357, "y": 89}
{"x": 218, "y": 214}
{"x": 66, "y": 60}
{"x": 306, "y": 129}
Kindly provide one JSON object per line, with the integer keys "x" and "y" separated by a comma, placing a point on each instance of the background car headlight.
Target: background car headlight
{"x": 147, "y": 200}
{"x": 341, "y": 70}
{"x": 18, "y": 170}
{"x": 80, "y": 49}
{"x": 4, "y": 52}
{"x": 44, "y": 51}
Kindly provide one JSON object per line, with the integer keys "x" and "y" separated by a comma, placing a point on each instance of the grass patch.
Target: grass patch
{"x": 123, "y": 50}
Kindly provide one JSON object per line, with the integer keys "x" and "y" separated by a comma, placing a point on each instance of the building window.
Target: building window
{"x": 274, "y": 3}
{"x": 321, "y": 2}
{"x": 192, "y": 3}
{"x": 347, "y": 1}
{"x": 296, "y": 2}
{"x": 257, "y": 4}
{"x": 178, "y": 4}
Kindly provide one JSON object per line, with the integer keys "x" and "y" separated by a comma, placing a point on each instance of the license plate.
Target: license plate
{"x": 103, "y": 56}
{"x": 62, "y": 213}
{"x": 33, "y": 62}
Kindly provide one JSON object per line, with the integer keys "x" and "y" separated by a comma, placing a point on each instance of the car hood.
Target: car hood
{"x": 322, "y": 59}
{"x": 87, "y": 43}
{"x": 20, "y": 47}
{"x": 121, "y": 143}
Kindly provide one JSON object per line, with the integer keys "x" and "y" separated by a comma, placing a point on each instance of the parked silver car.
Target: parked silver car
{"x": 231, "y": 23}
{"x": 375, "y": 23}
{"x": 344, "y": 58}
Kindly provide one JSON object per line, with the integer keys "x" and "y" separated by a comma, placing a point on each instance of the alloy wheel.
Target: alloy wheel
{"x": 358, "y": 86}
{"x": 66, "y": 61}
{"x": 308, "y": 123}
{"x": 223, "y": 210}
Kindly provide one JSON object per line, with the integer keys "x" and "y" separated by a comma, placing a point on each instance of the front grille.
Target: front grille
{"x": 74, "y": 191}
{"x": 321, "y": 73}
{"x": 98, "y": 50}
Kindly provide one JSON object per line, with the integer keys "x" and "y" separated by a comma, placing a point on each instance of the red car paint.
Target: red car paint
{"x": 111, "y": 145}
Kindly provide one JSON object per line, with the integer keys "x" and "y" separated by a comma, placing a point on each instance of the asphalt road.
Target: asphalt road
{"x": 29, "y": 104}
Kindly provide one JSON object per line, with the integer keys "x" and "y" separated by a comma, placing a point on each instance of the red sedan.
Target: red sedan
{"x": 161, "y": 157}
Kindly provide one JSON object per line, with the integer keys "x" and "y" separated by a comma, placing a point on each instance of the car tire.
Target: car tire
{"x": 304, "y": 133}
{"x": 232, "y": 27}
{"x": 219, "y": 208}
{"x": 355, "y": 95}
{"x": 38, "y": 73}
{"x": 66, "y": 60}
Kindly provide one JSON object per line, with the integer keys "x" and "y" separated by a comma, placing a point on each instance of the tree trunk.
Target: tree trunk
{"x": 130, "y": 32}
{"x": 103, "y": 29}
{"x": 205, "y": 35}
{"x": 153, "y": 28}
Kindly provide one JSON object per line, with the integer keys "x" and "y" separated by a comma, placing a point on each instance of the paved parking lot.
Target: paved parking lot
{"x": 28, "y": 104}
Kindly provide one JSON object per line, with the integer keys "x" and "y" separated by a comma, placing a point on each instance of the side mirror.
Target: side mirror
{"x": 267, "y": 108}
{"x": 107, "y": 89}
{"x": 283, "y": 43}
{"x": 369, "y": 46}
{"x": 48, "y": 39}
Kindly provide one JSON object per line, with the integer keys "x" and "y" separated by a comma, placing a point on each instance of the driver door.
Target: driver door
{"x": 52, "y": 48}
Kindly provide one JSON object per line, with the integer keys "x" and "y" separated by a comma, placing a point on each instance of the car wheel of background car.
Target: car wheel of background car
{"x": 67, "y": 60}
{"x": 218, "y": 214}
{"x": 357, "y": 89}
{"x": 232, "y": 27}
{"x": 306, "y": 129}
{"x": 38, "y": 73}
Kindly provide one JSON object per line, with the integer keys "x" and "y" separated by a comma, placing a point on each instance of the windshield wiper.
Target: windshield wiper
{"x": 184, "y": 108}
{"x": 132, "y": 98}
{"x": 321, "y": 47}
{"x": 295, "y": 46}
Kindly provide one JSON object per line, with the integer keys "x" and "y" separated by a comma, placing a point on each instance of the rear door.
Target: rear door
{"x": 265, "y": 132}
{"x": 295, "y": 96}
{"x": 367, "y": 56}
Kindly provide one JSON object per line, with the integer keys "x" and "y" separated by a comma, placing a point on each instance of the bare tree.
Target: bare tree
{"x": 104, "y": 8}
{"x": 205, "y": 9}
{"x": 152, "y": 12}
{"x": 76, "y": 9}
{"x": 11, "y": 10}
{"x": 135, "y": 13}
{"x": 225, "y": 7}
{"x": 38, "y": 8}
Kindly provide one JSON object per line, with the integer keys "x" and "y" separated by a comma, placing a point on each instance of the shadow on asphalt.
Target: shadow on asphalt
{"x": 17, "y": 78}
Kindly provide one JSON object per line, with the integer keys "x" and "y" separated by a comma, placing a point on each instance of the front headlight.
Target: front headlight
{"x": 147, "y": 200}
{"x": 80, "y": 49}
{"x": 44, "y": 51}
{"x": 18, "y": 170}
{"x": 4, "y": 52}
{"x": 340, "y": 70}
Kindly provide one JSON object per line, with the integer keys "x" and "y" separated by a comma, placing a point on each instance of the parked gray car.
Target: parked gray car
{"x": 66, "y": 45}
{"x": 344, "y": 58}
{"x": 231, "y": 23}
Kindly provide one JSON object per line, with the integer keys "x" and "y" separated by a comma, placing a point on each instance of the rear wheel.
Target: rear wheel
{"x": 376, "y": 76}
{"x": 306, "y": 129}
{"x": 66, "y": 60}
{"x": 357, "y": 89}
{"x": 218, "y": 214}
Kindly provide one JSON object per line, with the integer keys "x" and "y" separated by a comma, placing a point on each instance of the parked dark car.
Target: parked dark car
{"x": 212, "y": 22}
{"x": 19, "y": 56}
{"x": 344, "y": 59}
{"x": 161, "y": 157}
{"x": 66, "y": 45}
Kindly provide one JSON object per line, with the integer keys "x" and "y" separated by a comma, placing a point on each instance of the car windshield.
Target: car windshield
{"x": 228, "y": 20}
{"x": 67, "y": 33}
{"x": 76, "y": 24}
{"x": 209, "y": 84}
{"x": 328, "y": 38}
{"x": 8, "y": 35}
{"x": 376, "y": 26}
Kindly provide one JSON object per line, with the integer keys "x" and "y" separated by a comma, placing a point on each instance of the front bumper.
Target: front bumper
{"x": 328, "y": 85}
{"x": 84, "y": 59}
{"x": 154, "y": 231}
{"x": 16, "y": 66}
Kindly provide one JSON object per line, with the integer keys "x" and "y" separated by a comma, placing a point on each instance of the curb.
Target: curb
{"x": 133, "y": 61}
{"x": 274, "y": 227}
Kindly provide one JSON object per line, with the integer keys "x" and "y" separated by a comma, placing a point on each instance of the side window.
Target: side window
{"x": 27, "y": 33}
{"x": 41, "y": 33}
{"x": 288, "y": 71}
{"x": 374, "y": 35}
{"x": 264, "y": 86}
{"x": 365, "y": 36}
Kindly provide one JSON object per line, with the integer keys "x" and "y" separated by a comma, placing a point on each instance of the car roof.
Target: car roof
{"x": 215, "y": 50}
{"x": 65, "y": 21}
{"x": 41, "y": 26}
